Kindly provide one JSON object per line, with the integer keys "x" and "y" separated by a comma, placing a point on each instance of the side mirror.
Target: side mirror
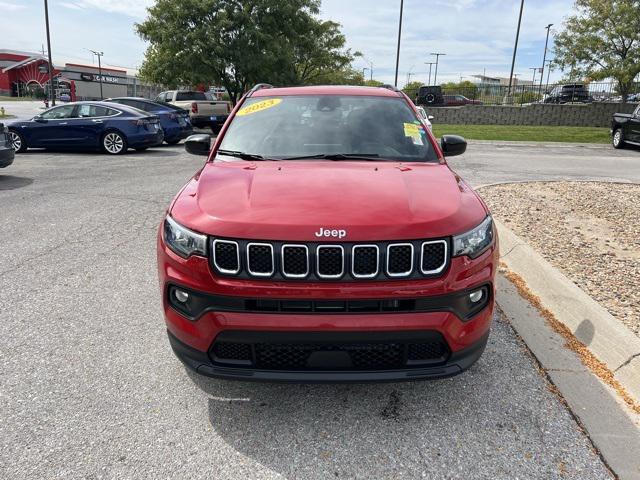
{"x": 430, "y": 117}
{"x": 38, "y": 118}
{"x": 453, "y": 145}
{"x": 198, "y": 144}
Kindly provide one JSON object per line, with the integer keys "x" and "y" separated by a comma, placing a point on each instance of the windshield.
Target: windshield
{"x": 185, "y": 96}
{"x": 335, "y": 126}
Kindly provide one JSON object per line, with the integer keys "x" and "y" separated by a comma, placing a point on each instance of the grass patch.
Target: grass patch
{"x": 4, "y": 98}
{"x": 525, "y": 133}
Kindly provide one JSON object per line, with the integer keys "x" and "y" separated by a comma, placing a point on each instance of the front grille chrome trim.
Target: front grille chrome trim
{"x": 293, "y": 275}
{"x": 400, "y": 274}
{"x": 273, "y": 263}
{"x": 353, "y": 259}
{"x": 444, "y": 261}
{"x": 213, "y": 254}
{"x": 321, "y": 247}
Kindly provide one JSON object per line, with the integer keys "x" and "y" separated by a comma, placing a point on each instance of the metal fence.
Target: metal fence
{"x": 523, "y": 94}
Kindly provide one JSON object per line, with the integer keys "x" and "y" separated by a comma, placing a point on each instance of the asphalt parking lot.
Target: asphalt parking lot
{"x": 91, "y": 389}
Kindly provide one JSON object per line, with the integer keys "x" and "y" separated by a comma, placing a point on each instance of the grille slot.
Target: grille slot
{"x": 331, "y": 356}
{"x": 226, "y": 256}
{"x": 399, "y": 259}
{"x": 433, "y": 257}
{"x": 365, "y": 261}
{"x": 260, "y": 259}
{"x": 295, "y": 261}
{"x": 330, "y": 261}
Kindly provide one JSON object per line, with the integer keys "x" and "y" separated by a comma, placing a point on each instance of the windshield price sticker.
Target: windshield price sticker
{"x": 259, "y": 107}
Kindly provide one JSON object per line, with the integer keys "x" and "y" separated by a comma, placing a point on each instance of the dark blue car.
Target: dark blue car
{"x": 88, "y": 125}
{"x": 175, "y": 121}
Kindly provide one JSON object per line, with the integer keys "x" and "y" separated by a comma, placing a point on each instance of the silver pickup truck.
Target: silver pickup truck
{"x": 204, "y": 111}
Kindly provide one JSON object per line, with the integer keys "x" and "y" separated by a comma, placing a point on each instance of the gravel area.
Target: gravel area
{"x": 89, "y": 387}
{"x": 590, "y": 231}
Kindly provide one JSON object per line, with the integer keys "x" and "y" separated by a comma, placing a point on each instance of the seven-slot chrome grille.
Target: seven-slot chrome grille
{"x": 329, "y": 262}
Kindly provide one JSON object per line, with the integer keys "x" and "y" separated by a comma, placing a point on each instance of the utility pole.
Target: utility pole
{"x": 548, "y": 73}
{"x": 399, "y": 37}
{"x": 99, "y": 54}
{"x": 535, "y": 69}
{"x": 46, "y": 19}
{"x": 435, "y": 76}
{"x": 364, "y": 70}
{"x": 544, "y": 58}
{"x": 515, "y": 48}
{"x": 430, "y": 65}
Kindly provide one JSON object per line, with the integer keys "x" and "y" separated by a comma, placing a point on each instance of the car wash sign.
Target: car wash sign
{"x": 92, "y": 77}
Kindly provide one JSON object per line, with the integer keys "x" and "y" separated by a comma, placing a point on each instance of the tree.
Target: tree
{"x": 411, "y": 89}
{"x": 344, "y": 76}
{"x": 602, "y": 40}
{"x": 466, "y": 88}
{"x": 238, "y": 43}
{"x": 373, "y": 83}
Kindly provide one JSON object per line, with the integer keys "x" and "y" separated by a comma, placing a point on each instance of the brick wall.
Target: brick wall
{"x": 576, "y": 115}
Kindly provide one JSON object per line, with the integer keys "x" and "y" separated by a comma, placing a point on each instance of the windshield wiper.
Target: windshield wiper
{"x": 242, "y": 155}
{"x": 338, "y": 156}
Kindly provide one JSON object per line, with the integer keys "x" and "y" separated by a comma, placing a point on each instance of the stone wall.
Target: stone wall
{"x": 576, "y": 115}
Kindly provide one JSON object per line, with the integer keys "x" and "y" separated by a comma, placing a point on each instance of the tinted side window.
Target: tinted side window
{"x": 59, "y": 112}
{"x": 182, "y": 96}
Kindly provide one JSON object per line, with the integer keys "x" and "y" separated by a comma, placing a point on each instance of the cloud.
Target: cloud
{"x": 11, "y": 7}
{"x": 130, "y": 8}
{"x": 72, "y": 6}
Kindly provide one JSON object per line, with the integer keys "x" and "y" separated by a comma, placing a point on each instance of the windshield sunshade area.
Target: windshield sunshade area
{"x": 328, "y": 127}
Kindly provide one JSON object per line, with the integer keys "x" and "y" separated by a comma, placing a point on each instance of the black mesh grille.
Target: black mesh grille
{"x": 260, "y": 259}
{"x": 227, "y": 256}
{"x": 294, "y": 261}
{"x": 400, "y": 259}
{"x": 330, "y": 261}
{"x": 365, "y": 261}
{"x": 232, "y": 351}
{"x": 426, "y": 351}
{"x": 433, "y": 256}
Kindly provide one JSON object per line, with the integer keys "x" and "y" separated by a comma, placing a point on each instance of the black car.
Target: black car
{"x": 570, "y": 93}
{"x": 625, "y": 129}
{"x": 6, "y": 148}
{"x": 174, "y": 120}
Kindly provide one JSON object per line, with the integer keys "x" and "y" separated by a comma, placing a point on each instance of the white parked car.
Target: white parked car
{"x": 427, "y": 118}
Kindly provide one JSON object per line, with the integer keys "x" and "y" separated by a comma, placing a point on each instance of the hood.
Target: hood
{"x": 290, "y": 200}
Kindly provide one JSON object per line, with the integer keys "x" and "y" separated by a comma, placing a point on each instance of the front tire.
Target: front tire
{"x": 17, "y": 142}
{"x": 618, "y": 138}
{"x": 114, "y": 143}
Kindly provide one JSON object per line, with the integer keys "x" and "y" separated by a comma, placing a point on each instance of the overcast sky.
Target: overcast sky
{"x": 475, "y": 34}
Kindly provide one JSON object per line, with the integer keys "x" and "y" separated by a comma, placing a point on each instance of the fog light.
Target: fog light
{"x": 181, "y": 295}
{"x": 476, "y": 296}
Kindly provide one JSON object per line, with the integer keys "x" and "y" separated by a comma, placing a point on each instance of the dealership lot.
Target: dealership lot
{"x": 90, "y": 387}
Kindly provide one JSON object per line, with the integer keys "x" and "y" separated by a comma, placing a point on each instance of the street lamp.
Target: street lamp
{"x": 364, "y": 70}
{"x": 399, "y": 36}
{"x": 430, "y": 65}
{"x": 99, "y": 54}
{"x": 544, "y": 58}
{"x": 435, "y": 76}
{"x": 515, "y": 48}
{"x": 46, "y": 19}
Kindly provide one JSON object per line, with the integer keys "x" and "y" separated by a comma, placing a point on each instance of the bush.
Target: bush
{"x": 526, "y": 97}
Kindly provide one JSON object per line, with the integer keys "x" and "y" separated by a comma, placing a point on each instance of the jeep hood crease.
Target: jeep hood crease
{"x": 288, "y": 200}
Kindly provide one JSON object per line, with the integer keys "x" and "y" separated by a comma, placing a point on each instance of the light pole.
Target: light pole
{"x": 544, "y": 58}
{"x": 435, "y": 76}
{"x": 99, "y": 54}
{"x": 430, "y": 65}
{"x": 535, "y": 69}
{"x": 515, "y": 48}
{"x": 46, "y": 19}
{"x": 364, "y": 70}
{"x": 399, "y": 36}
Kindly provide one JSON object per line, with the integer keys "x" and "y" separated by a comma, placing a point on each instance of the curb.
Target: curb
{"x": 608, "y": 339}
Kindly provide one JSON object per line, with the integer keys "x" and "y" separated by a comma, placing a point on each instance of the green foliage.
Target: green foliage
{"x": 526, "y": 97}
{"x": 373, "y": 83}
{"x": 602, "y": 41}
{"x": 238, "y": 44}
{"x": 411, "y": 89}
{"x": 466, "y": 88}
{"x": 344, "y": 76}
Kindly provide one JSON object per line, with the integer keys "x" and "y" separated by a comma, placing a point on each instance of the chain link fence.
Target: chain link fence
{"x": 521, "y": 94}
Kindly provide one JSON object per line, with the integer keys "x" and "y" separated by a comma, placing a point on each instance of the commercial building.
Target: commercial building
{"x": 27, "y": 73}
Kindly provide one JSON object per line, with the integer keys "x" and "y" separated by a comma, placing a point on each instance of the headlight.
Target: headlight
{"x": 474, "y": 242}
{"x": 183, "y": 241}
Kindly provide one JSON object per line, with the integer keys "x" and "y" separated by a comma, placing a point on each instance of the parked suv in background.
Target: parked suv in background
{"x": 204, "y": 111}
{"x": 327, "y": 239}
{"x": 575, "y": 92}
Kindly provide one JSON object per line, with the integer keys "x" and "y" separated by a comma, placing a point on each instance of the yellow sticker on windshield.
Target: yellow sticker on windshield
{"x": 411, "y": 130}
{"x": 258, "y": 107}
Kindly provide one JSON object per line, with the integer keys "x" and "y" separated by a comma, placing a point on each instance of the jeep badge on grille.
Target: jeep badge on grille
{"x": 325, "y": 232}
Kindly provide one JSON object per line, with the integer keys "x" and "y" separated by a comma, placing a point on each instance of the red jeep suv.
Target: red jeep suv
{"x": 326, "y": 239}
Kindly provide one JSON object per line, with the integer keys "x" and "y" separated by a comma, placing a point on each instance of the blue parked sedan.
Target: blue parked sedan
{"x": 175, "y": 121}
{"x": 88, "y": 125}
